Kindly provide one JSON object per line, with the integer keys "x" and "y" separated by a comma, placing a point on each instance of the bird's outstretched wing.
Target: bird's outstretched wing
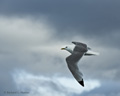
{"x": 80, "y": 47}
{"x": 72, "y": 62}
{"x": 80, "y": 44}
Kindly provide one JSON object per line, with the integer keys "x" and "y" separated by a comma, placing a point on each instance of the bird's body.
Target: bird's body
{"x": 77, "y": 52}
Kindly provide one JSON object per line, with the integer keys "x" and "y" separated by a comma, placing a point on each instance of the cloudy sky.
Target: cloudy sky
{"x": 32, "y": 33}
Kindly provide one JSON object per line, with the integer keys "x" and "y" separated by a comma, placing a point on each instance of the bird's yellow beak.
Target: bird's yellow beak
{"x": 62, "y": 48}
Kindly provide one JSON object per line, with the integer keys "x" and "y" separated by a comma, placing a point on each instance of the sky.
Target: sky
{"x": 32, "y": 33}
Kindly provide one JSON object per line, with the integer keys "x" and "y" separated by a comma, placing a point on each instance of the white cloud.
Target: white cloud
{"x": 24, "y": 31}
{"x": 51, "y": 86}
{"x": 25, "y": 35}
{"x": 29, "y": 41}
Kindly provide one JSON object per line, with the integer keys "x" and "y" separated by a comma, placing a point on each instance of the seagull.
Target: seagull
{"x": 77, "y": 51}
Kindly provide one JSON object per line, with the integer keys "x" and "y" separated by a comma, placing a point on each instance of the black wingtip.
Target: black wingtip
{"x": 81, "y": 82}
{"x": 74, "y": 42}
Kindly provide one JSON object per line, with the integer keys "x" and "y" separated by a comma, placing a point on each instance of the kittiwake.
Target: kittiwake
{"x": 77, "y": 52}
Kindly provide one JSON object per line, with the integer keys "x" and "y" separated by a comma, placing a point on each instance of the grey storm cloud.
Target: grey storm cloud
{"x": 91, "y": 15}
{"x": 93, "y": 19}
{"x": 32, "y": 33}
{"x": 29, "y": 44}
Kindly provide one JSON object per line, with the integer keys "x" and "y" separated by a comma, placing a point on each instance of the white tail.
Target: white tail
{"x": 89, "y": 52}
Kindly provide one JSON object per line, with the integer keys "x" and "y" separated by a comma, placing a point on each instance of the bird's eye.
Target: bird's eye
{"x": 66, "y": 47}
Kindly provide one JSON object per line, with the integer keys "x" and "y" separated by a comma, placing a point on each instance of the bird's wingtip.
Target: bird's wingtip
{"x": 73, "y": 42}
{"x": 81, "y": 82}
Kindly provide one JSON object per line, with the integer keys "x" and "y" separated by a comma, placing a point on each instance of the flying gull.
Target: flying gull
{"x": 77, "y": 51}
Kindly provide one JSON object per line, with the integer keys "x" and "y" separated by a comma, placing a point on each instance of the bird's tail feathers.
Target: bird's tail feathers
{"x": 89, "y": 52}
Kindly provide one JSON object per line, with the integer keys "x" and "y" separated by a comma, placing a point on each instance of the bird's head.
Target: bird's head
{"x": 65, "y": 48}
{"x": 68, "y": 48}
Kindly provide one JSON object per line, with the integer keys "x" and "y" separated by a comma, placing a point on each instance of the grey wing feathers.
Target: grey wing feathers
{"x": 79, "y": 43}
{"x": 72, "y": 65}
{"x": 80, "y": 47}
{"x": 72, "y": 61}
